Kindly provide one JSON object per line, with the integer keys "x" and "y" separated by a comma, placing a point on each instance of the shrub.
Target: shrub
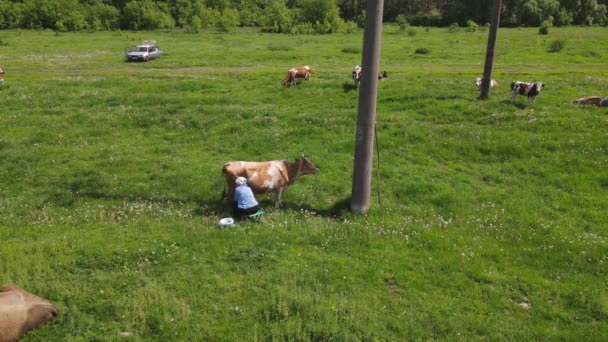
{"x": 557, "y": 45}
{"x": 411, "y": 32}
{"x": 422, "y": 51}
{"x": 453, "y": 27}
{"x": 472, "y": 26}
{"x": 544, "y": 27}
{"x": 349, "y": 27}
{"x": 402, "y": 22}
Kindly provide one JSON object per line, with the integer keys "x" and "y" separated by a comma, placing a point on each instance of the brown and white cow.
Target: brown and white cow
{"x": 21, "y": 311}
{"x": 296, "y": 74}
{"x": 1, "y": 76}
{"x": 267, "y": 176}
{"x": 593, "y": 100}
{"x": 479, "y": 83}
{"x": 531, "y": 90}
{"x": 357, "y": 75}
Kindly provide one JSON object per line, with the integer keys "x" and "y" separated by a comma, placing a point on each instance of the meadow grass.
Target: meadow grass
{"x": 493, "y": 216}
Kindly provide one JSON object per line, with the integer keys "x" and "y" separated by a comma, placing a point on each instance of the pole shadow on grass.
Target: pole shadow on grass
{"x": 336, "y": 211}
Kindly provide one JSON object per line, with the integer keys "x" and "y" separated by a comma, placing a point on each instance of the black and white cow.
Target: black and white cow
{"x": 357, "y": 76}
{"x": 531, "y": 90}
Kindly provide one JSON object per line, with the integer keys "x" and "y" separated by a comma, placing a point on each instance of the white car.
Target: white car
{"x": 144, "y": 52}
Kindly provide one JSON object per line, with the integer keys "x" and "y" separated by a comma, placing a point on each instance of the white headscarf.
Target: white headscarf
{"x": 241, "y": 181}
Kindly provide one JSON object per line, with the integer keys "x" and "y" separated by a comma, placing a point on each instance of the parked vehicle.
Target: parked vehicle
{"x": 148, "y": 50}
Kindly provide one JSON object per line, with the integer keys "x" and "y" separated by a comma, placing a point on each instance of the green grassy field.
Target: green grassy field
{"x": 493, "y": 222}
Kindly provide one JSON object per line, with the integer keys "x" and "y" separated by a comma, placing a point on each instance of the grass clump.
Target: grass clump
{"x": 557, "y": 45}
{"x": 422, "y": 51}
{"x": 351, "y": 50}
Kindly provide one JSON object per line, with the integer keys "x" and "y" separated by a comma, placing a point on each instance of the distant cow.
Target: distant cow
{"x": 1, "y": 76}
{"x": 21, "y": 311}
{"x": 593, "y": 100}
{"x": 531, "y": 90}
{"x": 267, "y": 176}
{"x": 296, "y": 74}
{"x": 357, "y": 75}
{"x": 479, "y": 83}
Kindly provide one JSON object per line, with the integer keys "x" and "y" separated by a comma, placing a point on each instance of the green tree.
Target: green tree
{"x": 146, "y": 15}
{"x": 278, "y": 18}
{"x": 10, "y": 14}
{"x": 62, "y": 15}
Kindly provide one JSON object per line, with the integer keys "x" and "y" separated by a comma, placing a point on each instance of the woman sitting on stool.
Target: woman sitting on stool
{"x": 244, "y": 201}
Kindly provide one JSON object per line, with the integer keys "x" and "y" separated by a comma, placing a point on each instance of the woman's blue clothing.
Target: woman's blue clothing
{"x": 244, "y": 197}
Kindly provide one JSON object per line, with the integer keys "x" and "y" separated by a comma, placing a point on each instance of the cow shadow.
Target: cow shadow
{"x": 519, "y": 105}
{"x": 348, "y": 87}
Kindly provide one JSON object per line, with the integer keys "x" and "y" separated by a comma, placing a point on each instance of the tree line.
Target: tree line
{"x": 286, "y": 16}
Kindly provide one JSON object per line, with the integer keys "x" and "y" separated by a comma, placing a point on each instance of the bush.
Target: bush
{"x": 472, "y": 26}
{"x": 557, "y": 45}
{"x": 349, "y": 27}
{"x": 422, "y": 51}
{"x": 402, "y": 22}
{"x": 453, "y": 27}
{"x": 544, "y": 27}
{"x": 411, "y": 32}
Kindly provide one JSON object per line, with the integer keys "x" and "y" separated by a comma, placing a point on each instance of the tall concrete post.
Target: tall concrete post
{"x": 489, "y": 64}
{"x": 366, "y": 119}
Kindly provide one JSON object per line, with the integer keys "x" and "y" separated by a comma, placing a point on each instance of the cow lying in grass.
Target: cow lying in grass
{"x": 479, "y": 82}
{"x": 593, "y": 100}
{"x": 267, "y": 176}
{"x": 1, "y": 76}
{"x": 296, "y": 74}
{"x": 21, "y": 311}
{"x": 531, "y": 90}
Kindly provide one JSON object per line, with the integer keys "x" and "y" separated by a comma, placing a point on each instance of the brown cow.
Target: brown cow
{"x": 1, "y": 76}
{"x": 593, "y": 100}
{"x": 295, "y": 74}
{"x": 267, "y": 176}
{"x": 21, "y": 311}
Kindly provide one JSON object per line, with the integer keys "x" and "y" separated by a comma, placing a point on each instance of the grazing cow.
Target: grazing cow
{"x": 21, "y": 311}
{"x": 592, "y": 100}
{"x": 479, "y": 82}
{"x": 525, "y": 88}
{"x": 267, "y": 176}
{"x": 1, "y": 76}
{"x": 357, "y": 75}
{"x": 296, "y": 74}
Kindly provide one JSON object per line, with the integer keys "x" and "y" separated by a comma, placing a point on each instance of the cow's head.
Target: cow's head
{"x": 305, "y": 167}
{"x": 478, "y": 81}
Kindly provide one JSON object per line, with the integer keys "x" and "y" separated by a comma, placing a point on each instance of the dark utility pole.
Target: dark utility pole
{"x": 366, "y": 119}
{"x": 487, "y": 69}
